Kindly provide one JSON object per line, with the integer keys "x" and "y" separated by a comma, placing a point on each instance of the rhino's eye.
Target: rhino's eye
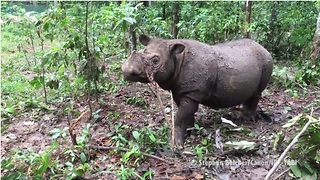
{"x": 155, "y": 61}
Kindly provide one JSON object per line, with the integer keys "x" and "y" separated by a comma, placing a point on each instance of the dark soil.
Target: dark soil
{"x": 26, "y": 132}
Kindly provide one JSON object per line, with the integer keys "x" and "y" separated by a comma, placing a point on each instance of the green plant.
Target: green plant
{"x": 308, "y": 73}
{"x": 136, "y": 100}
{"x": 130, "y": 173}
{"x": 283, "y": 76}
{"x": 126, "y": 173}
{"x": 307, "y": 150}
{"x": 29, "y": 164}
{"x": 199, "y": 151}
{"x": 148, "y": 139}
{"x": 58, "y": 133}
{"x": 78, "y": 163}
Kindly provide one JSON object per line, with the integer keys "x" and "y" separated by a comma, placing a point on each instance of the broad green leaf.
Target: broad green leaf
{"x": 79, "y": 173}
{"x": 199, "y": 153}
{"x": 69, "y": 164}
{"x": 130, "y": 20}
{"x": 152, "y": 138}
{"x": 204, "y": 142}
{"x": 83, "y": 157}
{"x": 10, "y": 110}
{"x": 292, "y": 121}
{"x": 279, "y": 139}
{"x": 46, "y": 26}
{"x": 45, "y": 159}
{"x": 308, "y": 167}
{"x": 295, "y": 170}
{"x": 35, "y": 83}
{"x": 136, "y": 135}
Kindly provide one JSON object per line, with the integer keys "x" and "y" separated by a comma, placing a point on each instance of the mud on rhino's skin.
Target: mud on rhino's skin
{"x": 217, "y": 76}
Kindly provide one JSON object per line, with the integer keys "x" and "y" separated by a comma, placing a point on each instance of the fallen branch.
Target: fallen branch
{"x": 73, "y": 125}
{"x": 294, "y": 141}
{"x": 72, "y": 136}
{"x": 76, "y": 121}
{"x": 172, "y": 119}
{"x": 281, "y": 174}
{"x": 126, "y": 150}
{"x": 259, "y": 135}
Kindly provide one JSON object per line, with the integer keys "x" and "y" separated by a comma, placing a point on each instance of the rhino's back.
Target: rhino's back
{"x": 244, "y": 68}
{"x": 221, "y": 75}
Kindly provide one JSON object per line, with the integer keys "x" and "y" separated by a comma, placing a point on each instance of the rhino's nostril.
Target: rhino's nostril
{"x": 136, "y": 72}
{"x": 129, "y": 70}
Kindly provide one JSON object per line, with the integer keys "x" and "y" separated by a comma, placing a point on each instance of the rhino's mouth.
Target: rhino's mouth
{"x": 136, "y": 77}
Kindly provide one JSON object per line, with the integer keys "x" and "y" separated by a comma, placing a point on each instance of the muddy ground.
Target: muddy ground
{"x": 30, "y": 130}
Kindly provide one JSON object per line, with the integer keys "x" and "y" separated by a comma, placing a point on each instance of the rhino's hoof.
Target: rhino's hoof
{"x": 249, "y": 118}
{"x": 178, "y": 144}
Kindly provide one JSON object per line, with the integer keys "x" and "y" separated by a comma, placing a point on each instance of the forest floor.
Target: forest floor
{"x": 26, "y": 132}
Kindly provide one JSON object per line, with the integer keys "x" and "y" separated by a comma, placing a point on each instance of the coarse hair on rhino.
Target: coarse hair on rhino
{"x": 217, "y": 76}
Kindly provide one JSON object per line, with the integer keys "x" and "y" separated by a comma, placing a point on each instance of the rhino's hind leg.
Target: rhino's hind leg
{"x": 250, "y": 107}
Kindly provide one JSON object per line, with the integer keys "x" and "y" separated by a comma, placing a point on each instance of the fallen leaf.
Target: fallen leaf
{"x": 243, "y": 145}
{"x": 176, "y": 177}
{"x": 224, "y": 120}
{"x": 196, "y": 175}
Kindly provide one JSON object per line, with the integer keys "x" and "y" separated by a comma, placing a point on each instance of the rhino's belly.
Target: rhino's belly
{"x": 228, "y": 99}
{"x": 232, "y": 90}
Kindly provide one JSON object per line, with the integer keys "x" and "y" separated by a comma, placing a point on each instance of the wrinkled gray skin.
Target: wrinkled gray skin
{"x": 218, "y": 76}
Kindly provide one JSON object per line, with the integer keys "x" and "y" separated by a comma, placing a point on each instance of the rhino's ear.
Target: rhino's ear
{"x": 144, "y": 39}
{"x": 177, "y": 48}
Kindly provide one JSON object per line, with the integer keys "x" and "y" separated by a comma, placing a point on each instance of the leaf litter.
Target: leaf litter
{"x": 256, "y": 158}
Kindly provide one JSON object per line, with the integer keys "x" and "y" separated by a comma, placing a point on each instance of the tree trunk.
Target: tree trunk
{"x": 270, "y": 40}
{"x": 315, "y": 50}
{"x": 175, "y": 20}
{"x": 164, "y": 11}
{"x": 247, "y": 5}
{"x": 133, "y": 37}
{"x": 146, "y": 3}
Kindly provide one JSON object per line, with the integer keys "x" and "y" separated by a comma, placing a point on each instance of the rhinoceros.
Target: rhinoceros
{"x": 217, "y": 76}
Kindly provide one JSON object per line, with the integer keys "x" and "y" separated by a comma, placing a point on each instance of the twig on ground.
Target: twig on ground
{"x": 295, "y": 140}
{"x": 260, "y": 134}
{"x": 73, "y": 125}
{"x": 281, "y": 174}
{"x": 172, "y": 119}
{"x": 154, "y": 93}
{"x": 76, "y": 121}
{"x": 126, "y": 149}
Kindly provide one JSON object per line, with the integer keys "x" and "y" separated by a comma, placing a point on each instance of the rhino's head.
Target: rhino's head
{"x": 158, "y": 58}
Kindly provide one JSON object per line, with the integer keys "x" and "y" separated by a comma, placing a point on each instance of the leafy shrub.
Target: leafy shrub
{"x": 307, "y": 150}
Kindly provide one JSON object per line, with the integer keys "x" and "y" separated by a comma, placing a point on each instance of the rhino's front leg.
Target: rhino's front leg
{"x": 184, "y": 118}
